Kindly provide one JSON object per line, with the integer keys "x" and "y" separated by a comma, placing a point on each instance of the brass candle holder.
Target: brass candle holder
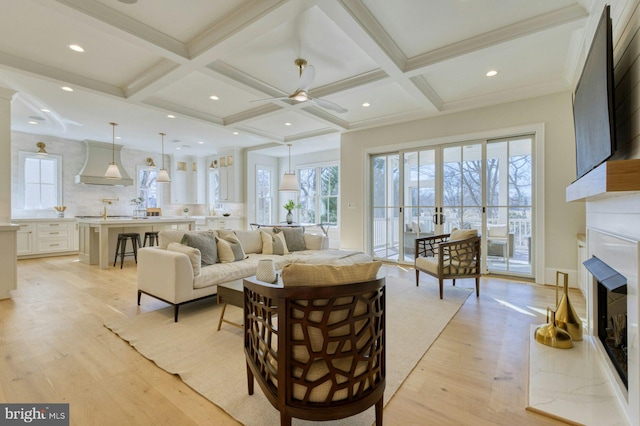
{"x": 566, "y": 316}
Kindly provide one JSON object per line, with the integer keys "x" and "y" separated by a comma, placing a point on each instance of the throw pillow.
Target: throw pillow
{"x": 229, "y": 249}
{"x": 273, "y": 244}
{"x": 294, "y": 238}
{"x": 462, "y": 234}
{"x": 300, "y": 274}
{"x": 206, "y": 243}
{"x": 193, "y": 253}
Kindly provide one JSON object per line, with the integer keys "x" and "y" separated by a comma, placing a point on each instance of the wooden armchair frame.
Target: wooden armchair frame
{"x": 455, "y": 259}
{"x": 291, "y": 331}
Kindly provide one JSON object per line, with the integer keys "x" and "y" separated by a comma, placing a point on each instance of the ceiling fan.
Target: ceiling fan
{"x": 307, "y": 75}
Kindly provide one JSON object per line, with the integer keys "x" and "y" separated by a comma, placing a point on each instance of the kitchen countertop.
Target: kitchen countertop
{"x": 130, "y": 220}
{"x": 43, "y": 219}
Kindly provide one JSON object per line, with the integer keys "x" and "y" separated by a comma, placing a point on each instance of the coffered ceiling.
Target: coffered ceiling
{"x": 144, "y": 60}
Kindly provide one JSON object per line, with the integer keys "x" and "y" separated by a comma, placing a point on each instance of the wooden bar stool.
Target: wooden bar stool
{"x": 121, "y": 247}
{"x": 153, "y": 238}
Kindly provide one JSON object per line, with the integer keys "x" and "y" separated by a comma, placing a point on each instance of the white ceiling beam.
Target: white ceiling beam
{"x": 417, "y": 64}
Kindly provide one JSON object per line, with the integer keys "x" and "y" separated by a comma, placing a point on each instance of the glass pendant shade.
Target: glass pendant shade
{"x": 289, "y": 180}
{"x": 112, "y": 171}
{"x": 289, "y": 183}
{"x": 163, "y": 175}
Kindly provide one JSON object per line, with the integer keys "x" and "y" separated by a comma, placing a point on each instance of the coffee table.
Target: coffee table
{"x": 231, "y": 293}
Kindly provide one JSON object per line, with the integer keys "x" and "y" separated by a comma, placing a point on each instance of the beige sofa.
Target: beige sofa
{"x": 172, "y": 273}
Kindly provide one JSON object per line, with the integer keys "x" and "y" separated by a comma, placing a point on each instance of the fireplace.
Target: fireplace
{"x": 611, "y": 314}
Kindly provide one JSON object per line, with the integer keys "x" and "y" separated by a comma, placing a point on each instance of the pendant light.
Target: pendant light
{"x": 163, "y": 176}
{"x": 112, "y": 171}
{"x": 289, "y": 180}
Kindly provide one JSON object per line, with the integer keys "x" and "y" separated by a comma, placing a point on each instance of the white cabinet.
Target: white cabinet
{"x": 213, "y": 223}
{"x": 188, "y": 180}
{"x": 46, "y": 237}
{"x": 230, "y": 176}
{"x": 25, "y": 239}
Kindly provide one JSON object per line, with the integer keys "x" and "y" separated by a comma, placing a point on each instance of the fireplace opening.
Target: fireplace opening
{"x": 612, "y": 313}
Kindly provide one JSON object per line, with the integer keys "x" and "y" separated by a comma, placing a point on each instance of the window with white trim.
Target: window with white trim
{"x": 40, "y": 181}
{"x": 319, "y": 194}
{"x": 264, "y": 196}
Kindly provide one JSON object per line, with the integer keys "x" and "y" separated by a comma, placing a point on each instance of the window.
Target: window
{"x": 148, "y": 188}
{"x": 319, "y": 194}
{"x": 41, "y": 181}
{"x": 264, "y": 199}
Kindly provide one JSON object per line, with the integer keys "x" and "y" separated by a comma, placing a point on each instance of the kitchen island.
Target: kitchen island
{"x": 98, "y": 236}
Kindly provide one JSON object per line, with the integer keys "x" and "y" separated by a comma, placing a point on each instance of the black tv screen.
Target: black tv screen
{"x": 593, "y": 103}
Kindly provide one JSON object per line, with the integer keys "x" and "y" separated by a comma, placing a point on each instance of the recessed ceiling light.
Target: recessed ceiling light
{"x": 67, "y": 89}
{"x": 33, "y": 122}
{"x": 76, "y": 48}
{"x": 491, "y": 73}
{"x": 44, "y": 110}
{"x": 178, "y": 148}
{"x": 171, "y": 116}
{"x": 214, "y": 97}
{"x": 236, "y": 133}
{"x": 287, "y": 124}
{"x": 366, "y": 105}
{"x": 118, "y": 137}
{"x": 200, "y": 142}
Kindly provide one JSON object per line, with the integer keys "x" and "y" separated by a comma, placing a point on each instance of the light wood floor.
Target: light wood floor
{"x": 54, "y": 348}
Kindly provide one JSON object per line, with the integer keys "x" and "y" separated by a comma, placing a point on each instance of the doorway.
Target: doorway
{"x": 486, "y": 185}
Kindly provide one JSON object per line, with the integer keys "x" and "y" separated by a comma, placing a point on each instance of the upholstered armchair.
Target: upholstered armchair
{"x": 316, "y": 347}
{"x": 449, "y": 256}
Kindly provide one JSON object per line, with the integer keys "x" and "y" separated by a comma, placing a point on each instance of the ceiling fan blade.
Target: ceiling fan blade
{"x": 329, "y": 105}
{"x": 270, "y": 99}
{"x": 307, "y": 77}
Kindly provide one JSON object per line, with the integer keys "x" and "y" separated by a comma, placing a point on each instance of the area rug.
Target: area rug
{"x": 212, "y": 362}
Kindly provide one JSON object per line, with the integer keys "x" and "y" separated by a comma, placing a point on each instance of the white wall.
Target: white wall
{"x": 563, "y": 221}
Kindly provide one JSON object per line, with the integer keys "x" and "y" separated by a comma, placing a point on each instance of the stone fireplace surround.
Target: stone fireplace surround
{"x": 593, "y": 391}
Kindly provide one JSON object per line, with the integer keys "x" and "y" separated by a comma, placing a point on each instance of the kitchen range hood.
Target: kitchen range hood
{"x": 98, "y": 157}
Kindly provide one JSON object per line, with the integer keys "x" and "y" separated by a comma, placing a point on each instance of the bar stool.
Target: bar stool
{"x": 153, "y": 238}
{"x": 121, "y": 246}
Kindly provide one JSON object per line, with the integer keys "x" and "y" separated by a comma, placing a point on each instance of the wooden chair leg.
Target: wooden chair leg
{"x": 285, "y": 419}
{"x": 379, "y": 407}
{"x": 417, "y": 277}
{"x": 440, "y": 283}
{"x": 477, "y": 286}
{"x": 454, "y": 282}
{"x": 249, "y": 380}
{"x": 139, "y": 294}
{"x": 176, "y": 308}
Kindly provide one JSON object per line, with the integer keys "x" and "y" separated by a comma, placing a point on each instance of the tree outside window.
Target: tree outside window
{"x": 148, "y": 188}
{"x": 319, "y": 191}
{"x": 264, "y": 200}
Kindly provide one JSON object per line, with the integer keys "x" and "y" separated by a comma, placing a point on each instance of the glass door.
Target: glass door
{"x": 462, "y": 187}
{"x": 509, "y": 206}
{"x": 385, "y": 235}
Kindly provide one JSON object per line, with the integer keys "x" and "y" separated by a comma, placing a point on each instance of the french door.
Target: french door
{"x": 484, "y": 185}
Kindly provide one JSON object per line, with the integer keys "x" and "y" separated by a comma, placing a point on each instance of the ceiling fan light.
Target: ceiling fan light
{"x": 300, "y": 96}
{"x": 113, "y": 172}
{"x": 163, "y": 176}
{"x": 289, "y": 183}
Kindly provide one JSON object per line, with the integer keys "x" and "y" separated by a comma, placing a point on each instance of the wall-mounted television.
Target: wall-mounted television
{"x": 593, "y": 102}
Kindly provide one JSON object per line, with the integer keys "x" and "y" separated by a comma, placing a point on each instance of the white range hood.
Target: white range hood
{"x": 98, "y": 157}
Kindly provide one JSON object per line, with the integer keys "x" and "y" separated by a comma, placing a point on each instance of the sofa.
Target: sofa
{"x": 178, "y": 272}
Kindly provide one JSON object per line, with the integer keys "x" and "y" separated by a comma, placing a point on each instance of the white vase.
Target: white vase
{"x": 266, "y": 271}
